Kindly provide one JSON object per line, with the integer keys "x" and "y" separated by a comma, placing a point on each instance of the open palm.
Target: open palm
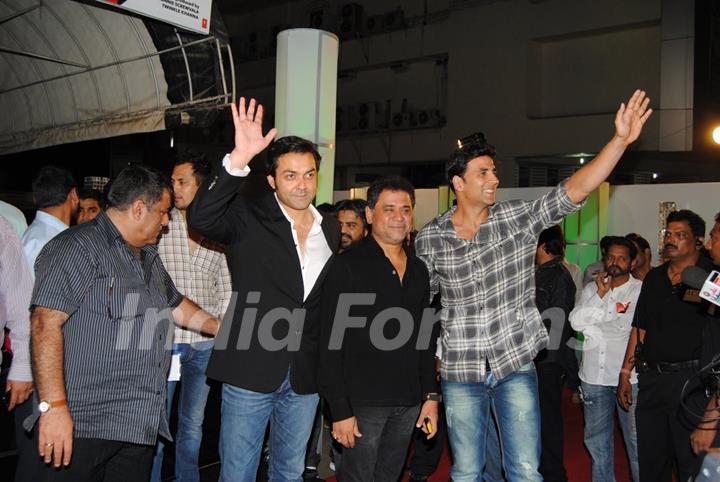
{"x": 630, "y": 118}
{"x": 249, "y": 139}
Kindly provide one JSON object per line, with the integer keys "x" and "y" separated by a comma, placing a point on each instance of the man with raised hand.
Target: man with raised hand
{"x": 604, "y": 314}
{"x": 480, "y": 254}
{"x": 278, "y": 247}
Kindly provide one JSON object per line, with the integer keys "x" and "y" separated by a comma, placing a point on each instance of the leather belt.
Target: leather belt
{"x": 665, "y": 367}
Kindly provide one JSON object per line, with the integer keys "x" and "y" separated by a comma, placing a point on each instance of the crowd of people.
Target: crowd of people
{"x": 467, "y": 329}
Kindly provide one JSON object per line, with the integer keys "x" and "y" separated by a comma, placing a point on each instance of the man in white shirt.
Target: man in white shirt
{"x": 56, "y": 198}
{"x": 604, "y": 314}
{"x": 199, "y": 270}
{"x": 14, "y": 216}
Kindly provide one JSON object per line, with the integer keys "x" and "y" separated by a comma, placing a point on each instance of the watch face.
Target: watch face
{"x": 44, "y": 406}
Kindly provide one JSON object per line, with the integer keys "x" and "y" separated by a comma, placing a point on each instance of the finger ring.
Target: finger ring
{"x": 49, "y": 444}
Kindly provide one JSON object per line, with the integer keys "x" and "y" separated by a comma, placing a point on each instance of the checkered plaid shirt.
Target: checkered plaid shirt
{"x": 202, "y": 276}
{"x": 487, "y": 286}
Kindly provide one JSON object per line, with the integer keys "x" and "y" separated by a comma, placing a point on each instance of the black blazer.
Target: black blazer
{"x": 266, "y": 275}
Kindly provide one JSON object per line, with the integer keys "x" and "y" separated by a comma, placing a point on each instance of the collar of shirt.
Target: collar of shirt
{"x": 317, "y": 217}
{"x": 487, "y": 232}
{"x": 316, "y": 252}
{"x": 113, "y": 236}
{"x": 50, "y": 220}
{"x": 550, "y": 264}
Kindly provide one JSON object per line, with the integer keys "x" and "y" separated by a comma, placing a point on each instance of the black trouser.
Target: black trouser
{"x": 97, "y": 460}
{"x": 550, "y": 386}
{"x": 379, "y": 455}
{"x": 663, "y": 429}
{"x": 30, "y": 466}
{"x": 427, "y": 453}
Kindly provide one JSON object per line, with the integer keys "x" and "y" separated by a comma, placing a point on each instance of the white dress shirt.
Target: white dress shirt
{"x": 16, "y": 284}
{"x": 14, "y": 216}
{"x": 606, "y": 324}
{"x": 41, "y": 230}
{"x": 317, "y": 251}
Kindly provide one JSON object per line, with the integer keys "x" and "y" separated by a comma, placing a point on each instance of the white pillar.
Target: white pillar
{"x": 306, "y": 95}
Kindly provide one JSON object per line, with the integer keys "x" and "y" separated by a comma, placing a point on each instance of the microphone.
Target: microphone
{"x": 707, "y": 283}
{"x": 694, "y": 277}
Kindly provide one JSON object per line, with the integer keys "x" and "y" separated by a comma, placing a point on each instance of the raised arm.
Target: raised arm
{"x": 212, "y": 213}
{"x": 629, "y": 122}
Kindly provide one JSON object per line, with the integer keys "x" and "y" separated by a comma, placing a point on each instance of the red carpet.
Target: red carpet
{"x": 577, "y": 459}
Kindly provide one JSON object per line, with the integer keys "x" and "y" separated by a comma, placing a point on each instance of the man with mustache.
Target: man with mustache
{"x": 378, "y": 394}
{"x": 604, "y": 315}
{"x": 670, "y": 327}
{"x": 353, "y": 225}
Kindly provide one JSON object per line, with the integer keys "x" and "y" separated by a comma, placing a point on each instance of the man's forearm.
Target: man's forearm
{"x": 47, "y": 354}
{"x": 590, "y": 176}
{"x": 189, "y": 315}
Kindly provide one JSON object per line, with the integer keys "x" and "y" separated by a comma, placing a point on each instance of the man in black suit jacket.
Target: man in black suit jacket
{"x": 278, "y": 249}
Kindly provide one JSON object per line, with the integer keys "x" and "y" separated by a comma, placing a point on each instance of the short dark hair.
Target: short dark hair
{"x": 286, "y": 145}
{"x": 553, "y": 239}
{"x": 51, "y": 186}
{"x": 137, "y": 182}
{"x": 622, "y": 241}
{"x": 326, "y": 209}
{"x": 391, "y": 183}
{"x": 200, "y": 166}
{"x": 468, "y": 148}
{"x": 717, "y": 217}
{"x": 696, "y": 223}
{"x": 639, "y": 241}
{"x": 92, "y": 194}
{"x": 357, "y": 206}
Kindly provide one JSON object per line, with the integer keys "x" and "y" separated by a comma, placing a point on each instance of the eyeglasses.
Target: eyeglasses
{"x": 476, "y": 138}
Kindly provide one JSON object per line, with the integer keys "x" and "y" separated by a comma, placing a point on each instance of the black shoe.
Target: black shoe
{"x": 311, "y": 473}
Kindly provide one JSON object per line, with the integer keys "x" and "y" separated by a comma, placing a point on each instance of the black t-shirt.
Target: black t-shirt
{"x": 357, "y": 371}
{"x": 673, "y": 317}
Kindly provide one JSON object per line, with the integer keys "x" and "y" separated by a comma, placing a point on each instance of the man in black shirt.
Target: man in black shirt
{"x": 670, "y": 323}
{"x": 377, "y": 351}
{"x": 555, "y": 299}
{"x": 705, "y": 434}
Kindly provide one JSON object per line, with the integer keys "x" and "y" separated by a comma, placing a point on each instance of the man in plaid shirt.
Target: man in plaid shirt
{"x": 480, "y": 256}
{"x": 200, "y": 272}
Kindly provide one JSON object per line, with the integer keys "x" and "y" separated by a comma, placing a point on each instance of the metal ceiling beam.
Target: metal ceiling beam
{"x": 25, "y": 53}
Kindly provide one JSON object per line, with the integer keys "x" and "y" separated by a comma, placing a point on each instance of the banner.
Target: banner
{"x": 189, "y": 14}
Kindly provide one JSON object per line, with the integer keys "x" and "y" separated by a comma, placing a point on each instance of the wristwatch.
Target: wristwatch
{"x": 46, "y": 405}
{"x": 435, "y": 397}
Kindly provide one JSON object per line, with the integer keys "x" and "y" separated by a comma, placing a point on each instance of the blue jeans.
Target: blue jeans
{"x": 245, "y": 416}
{"x": 191, "y": 411}
{"x": 599, "y": 405}
{"x": 514, "y": 400}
